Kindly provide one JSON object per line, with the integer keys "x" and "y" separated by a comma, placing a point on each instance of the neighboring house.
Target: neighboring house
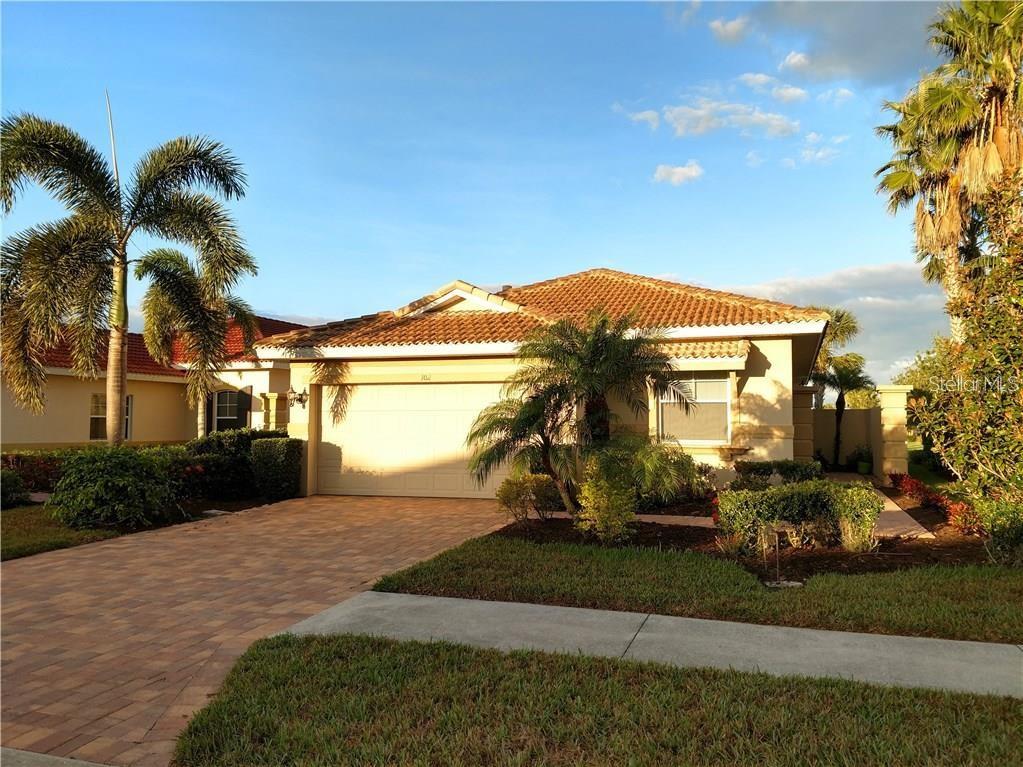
{"x": 156, "y": 408}
{"x": 386, "y": 400}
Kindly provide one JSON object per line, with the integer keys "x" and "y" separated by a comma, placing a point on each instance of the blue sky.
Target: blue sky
{"x": 393, "y": 147}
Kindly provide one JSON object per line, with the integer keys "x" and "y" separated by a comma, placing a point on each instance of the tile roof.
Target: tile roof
{"x": 653, "y": 303}
{"x": 139, "y": 360}
{"x": 234, "y": 341}
{"x": 698, "y": 350}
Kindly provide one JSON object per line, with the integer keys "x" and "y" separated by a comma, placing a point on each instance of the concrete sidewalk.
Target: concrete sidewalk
{"x": 977, "y": 667}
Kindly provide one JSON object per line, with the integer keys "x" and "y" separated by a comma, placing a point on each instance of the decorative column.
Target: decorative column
{"x": 894, "y": 457}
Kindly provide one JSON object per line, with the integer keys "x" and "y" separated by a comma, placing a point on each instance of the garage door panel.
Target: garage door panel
{"x": 404, "y": 439}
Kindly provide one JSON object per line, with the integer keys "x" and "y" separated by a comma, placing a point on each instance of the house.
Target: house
{"x": 385, "y": 400}
{"x": 252, "y": 393}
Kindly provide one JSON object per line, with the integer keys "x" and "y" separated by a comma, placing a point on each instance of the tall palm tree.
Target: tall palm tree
{"x": 842, "y": 328}
{"x": 957, "y": 136}
{"x": 845, "y": 374}
{"x": 593, "y": 361}
{"x": 68, "y": 279}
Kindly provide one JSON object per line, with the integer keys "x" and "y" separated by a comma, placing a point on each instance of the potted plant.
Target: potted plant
{"x": 862, "y": 458}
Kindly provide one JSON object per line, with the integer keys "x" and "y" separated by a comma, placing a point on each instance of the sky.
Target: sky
{"x": 393, "y": 147}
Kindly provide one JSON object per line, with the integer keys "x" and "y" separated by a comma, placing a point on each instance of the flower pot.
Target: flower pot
{"x": 864, "y": 467}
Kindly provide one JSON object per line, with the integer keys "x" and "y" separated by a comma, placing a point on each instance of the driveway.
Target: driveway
{"x": 109, "y": 648}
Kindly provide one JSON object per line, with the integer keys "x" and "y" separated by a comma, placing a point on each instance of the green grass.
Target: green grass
{"x": 979, "y": 602}
{"x": 346, "y": 700}
{"x": 26, "y": 530}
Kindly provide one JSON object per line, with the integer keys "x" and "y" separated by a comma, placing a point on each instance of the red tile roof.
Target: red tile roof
{"x": 140, "y": 362}
{"x": 653, "y": 303}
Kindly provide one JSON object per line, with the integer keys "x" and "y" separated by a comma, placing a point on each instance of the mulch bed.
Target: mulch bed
{"x": 687, "y": 509}
{"x": 948, "y": 548}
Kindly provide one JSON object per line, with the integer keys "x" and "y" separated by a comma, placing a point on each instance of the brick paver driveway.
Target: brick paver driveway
{"x": 109, "y": 648}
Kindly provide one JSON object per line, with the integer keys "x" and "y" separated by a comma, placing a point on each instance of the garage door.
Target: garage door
{"x": 403, "y": 439}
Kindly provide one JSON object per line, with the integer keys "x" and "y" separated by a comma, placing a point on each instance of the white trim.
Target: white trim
{"x": 465, "y": 296}
{"x": 258, "y": 364}
{"x": 498, "y": 348}
{"x": 131, "y": 376}
{"x": 740, "y": 331}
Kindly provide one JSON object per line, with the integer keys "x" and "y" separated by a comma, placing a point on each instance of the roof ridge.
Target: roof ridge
{"x": 723, "y": 295}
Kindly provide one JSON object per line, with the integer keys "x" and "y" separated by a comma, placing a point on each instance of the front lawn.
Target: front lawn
{"x": 978, "y": 602}
{"x": 26, "y": 530}
{"x": 360, "y": 700}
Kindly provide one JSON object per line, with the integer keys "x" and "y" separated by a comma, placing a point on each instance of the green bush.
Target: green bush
{"x": 762, "y": 469}
{"x": 39, "y": 469}
{"x": 608, "y": 499}
{"x": 12, "y": 489}
{"x": 1003, "y": 521}
{"x": 821, "y": 511}
{"x": 116, "y": 487}
{"x": 749, "y": 482}
{"x": 798, "y": 471}
{"x": 536, "y": 493}
{"x": 277, "y": 464}
{"x": 227, "y": 460}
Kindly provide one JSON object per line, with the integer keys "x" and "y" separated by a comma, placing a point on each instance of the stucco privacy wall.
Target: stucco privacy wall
{"x": 882, "y": 428}
{"x": 259, "y": 383}
{"x": 160, "y": 413}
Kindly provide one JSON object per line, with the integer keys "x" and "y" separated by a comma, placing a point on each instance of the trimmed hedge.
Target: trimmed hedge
{"x": 12, "y": 489}
{"x": 527, "y": 493}
{"x": 117, "y": 487}
{"x": 226, "y": 457}
{"x": 40, "y": 470}
{"x": 820, "y": 511}
{"x": 277, "y": 464}
{"x": 788, "y": 469}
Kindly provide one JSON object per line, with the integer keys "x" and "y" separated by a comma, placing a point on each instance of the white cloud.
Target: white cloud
{"x": 648, "y": 116}
{"x": 898, "y": 312}
{"x": 875, "y": 43}
{"x": 813, "y": 137}
{"x": 789, "y": 93}
{"x": 676, "y": 175}
{"x": 705, "y": 115}
{"x": 818, "y": 156}
{"x": 753, "y": 159}
{"x": 756, "y": 80}
{"x": 685, "y": 15}
{"x": 836, "y": 96}
{"x": 839, "y": 139}
{"x": 796, "y": 62}
{"x": 788, "y": 162}
{"x": 730, "y": 31}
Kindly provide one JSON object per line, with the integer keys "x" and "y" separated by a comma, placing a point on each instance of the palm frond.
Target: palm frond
{"x": 59, "y": 160}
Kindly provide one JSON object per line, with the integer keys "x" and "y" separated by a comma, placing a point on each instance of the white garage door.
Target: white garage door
{"x": 403, "y": 439}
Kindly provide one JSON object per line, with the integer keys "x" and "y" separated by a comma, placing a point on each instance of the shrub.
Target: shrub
{"x": 860, "y": 454}
{"x": 227, "y": 461}
{"x": 12, "y": 489}
{"x": 963, "y": 517}
{"x": 527, "y": 493}
{"x": 116, "y": 487}
{"x": 39, "y": 469}
{"x": 910, "y": 486}
{"x": 1002, "y": 519}
{"x": 821, "y": 511}
{"x": 277, "y": 464}
{"x": 798, "y": 471}
{"x": 608, "y": 500}
{"x": 762, "y": 469}
{"x": 749, "y": 482}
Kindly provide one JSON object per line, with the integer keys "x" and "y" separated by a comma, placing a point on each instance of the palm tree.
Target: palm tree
{"x": 524, "y": 432}
{"x": 845, "y": 374}
{"x": 842, "y": 328}
{"x": 593, "y": 361}
{"x": 68, "y": 279}
{"x": 957, "y": 137}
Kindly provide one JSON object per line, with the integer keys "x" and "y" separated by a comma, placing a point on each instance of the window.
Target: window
{"x": 708, "y": 422}
{"x": 98, "y": 416}
{"x": 225, "y": 415}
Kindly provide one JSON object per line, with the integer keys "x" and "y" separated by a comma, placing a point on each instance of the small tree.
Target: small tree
{"x": 842, "y": 328}
{"x": 845, "y": 374}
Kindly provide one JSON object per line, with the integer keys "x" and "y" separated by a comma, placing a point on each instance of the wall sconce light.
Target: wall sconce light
{"x": 294, "y": 398}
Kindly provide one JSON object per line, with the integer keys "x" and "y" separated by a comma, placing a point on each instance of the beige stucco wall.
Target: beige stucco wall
{"x": 160, "y": 414}
{"x": 259, "y": 383}
{"x": 859, "y": 427}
